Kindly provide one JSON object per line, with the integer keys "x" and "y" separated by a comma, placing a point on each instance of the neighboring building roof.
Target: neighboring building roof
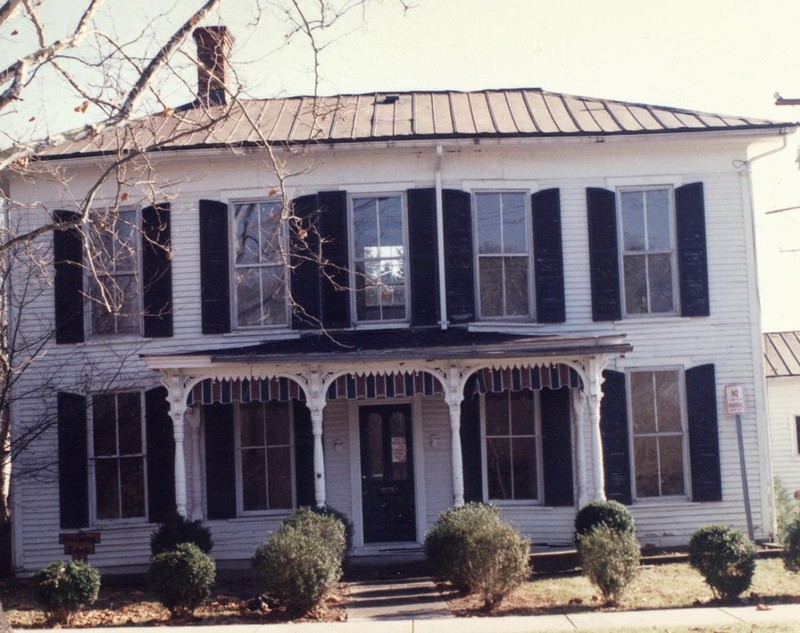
{"x": 517, "y": 113}
{"x": 782, "y": 354}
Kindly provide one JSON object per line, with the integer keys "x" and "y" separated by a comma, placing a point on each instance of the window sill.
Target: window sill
{"x": 661, "y": 501}
{"x": 281, "y": 332}
{"x": 493, "y": 326}
{"x": 379, "y": 325}
{"x": 109, "y": 525}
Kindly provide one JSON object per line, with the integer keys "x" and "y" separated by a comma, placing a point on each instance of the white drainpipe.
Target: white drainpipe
{"x": 440, "y": 238}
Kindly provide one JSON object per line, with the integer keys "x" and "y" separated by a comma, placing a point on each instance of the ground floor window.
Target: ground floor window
{"x": 118, "y": 455}
{"x": 265, "y": 456}
{"x": 512, "y": 446}
{"x": 657, "y": 419}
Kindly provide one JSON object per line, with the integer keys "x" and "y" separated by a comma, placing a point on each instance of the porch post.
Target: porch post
{"x": 453, "y": 398}
{"x": 197, "y": 475}
{"x": 177, "y": 407}
{"x": 594, "y": 395}
{"x": 579, "y": 415}
{"x": 316, "y": 404}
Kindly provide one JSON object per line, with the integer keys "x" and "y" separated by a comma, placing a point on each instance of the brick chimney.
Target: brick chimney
{"x": 213, "y": 64}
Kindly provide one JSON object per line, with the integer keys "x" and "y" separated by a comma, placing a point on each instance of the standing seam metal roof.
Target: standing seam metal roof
{"x": 782, "y": 354}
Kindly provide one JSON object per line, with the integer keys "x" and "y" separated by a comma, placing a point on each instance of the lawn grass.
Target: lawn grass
{"x": 675, "y": 585}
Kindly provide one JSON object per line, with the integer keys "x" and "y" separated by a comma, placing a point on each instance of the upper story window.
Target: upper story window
{"x": 379, "y": 258}
{"x": 259, "y": 264}
{"x": 503, "y": 254}
{"x": 118, "y": 455}
{"x": 265, "y": 455}
{"x": 657, "y": 421}
{"x": 113, "y": 273}
{"x": 648, "y": 251}
{"x": 512, "y": 446}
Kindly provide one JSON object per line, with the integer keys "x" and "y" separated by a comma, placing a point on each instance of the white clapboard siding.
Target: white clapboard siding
{"x": 783, "y": 394}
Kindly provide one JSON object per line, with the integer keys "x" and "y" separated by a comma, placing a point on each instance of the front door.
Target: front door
{"x": 387, "y": 473}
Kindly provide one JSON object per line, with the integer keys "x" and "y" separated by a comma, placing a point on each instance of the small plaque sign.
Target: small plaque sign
{"x": 79, "y": 544}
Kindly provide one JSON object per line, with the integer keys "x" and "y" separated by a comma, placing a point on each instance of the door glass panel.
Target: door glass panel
{"x": 375, "y": 446}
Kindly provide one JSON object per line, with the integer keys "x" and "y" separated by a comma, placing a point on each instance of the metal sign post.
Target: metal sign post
{"x": 735, "y": 405}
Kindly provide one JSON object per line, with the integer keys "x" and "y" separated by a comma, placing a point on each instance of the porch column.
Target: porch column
{"x": 316, "y": 404}
{"x": 594, "y": 395}
{"x": 177, "y": 407}
{"x": 455, "y": 394}
{"x": 579, "y": 415}
{"x": 197, "y": 475}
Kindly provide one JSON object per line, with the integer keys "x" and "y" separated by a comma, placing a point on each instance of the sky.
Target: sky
{"x": 721, "y": 56}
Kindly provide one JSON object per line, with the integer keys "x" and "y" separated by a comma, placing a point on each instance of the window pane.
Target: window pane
{"x": 491, "y": 286}
{"x": 247, "y": 247}
{"x": 668, "y": 401}
{"x": 248, "y": 296}
{"x": 514, "y": 225}
{"x": 498, "y": 467}
{"x": 671, "y": 460}
{"x": 254, "y": 479}
{"x": 646, "y": 458}
{"x": 277, "y": 414}
{"x": 279, "y": 476}
{"x": 632, "y": 220}
{"x": 635, "y": 284}
{"x": 643, "y": 402}
{"x": 252, "y": 424}
{"x": 365, "y": 224}
{"x": 273, "y": 291}
{"x": 658, "y": 231}
{"x": 516, "y": 270}
{"x": 524, "y": 457}
{"x": 132, "y": 474}
{"x": 271, "y": 231}
{"x": 489, "y": 224}
{"x": 390, "y": 218}
{"x": 522, "y": 420}
{"x": 497, "y": 422}
{"x": 130, "y": 423}
{"x": 104, "y": 419}
{"x": 106, "y": 482}
{"x": 125, "y": 242}
{"x": 660, "y": 270}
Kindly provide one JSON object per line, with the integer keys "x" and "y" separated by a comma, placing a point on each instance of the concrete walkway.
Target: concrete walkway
{"x": 406, "y": 598}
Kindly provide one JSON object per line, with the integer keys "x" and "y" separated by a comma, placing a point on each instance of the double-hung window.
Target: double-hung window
{"x": 657, "y": 418}
{"x": 260, "y": 264}
{"x": 379, "y": 258}
{"x": 512, "y": 445}
{"x": 118, "y": 455}
{"x": 265, "y": 456}
{"x": 648, "y": 250}
{"x": 113, "y": 270}
{"x": 502, "y": 251}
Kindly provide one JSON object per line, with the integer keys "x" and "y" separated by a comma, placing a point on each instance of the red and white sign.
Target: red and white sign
{"x": 734, "y": 400}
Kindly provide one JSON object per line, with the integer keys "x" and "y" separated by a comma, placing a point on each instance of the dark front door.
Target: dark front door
{"x": 387, "y": 473}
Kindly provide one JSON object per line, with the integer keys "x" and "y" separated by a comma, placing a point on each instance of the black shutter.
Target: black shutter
{"x": 614, "y": 432}
{"x": 557, "y": 447}
{"x": 303, "y": 455}
{"x": 471, "y": 448}
{"x": 548, "y": 259}
{"x": 701, "y": 406}
{"x": 73, "y": 463}
{"x": 220, "y": 461}
{"x": 335, "y": 284}
{"x": 423, "y": 278}
{"x": 603, "y": 255}
{"x": 157, "y": 271}
{"x": 160, "y": 456}
{"x": 305, "y": 273}
{"x": 68, "y": 280}
{"x": 214, "y": 268}
{"x": 459, "y": 267}
{"x": 692, "y": 258}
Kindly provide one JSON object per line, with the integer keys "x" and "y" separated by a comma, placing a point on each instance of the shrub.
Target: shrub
{"x": 611, "y": 513}
{"x": 64, "y": 589}
{"x": 307, "y": 515}
{"x": 725, "y": 557}
{"x": 610, "y": 559}
{"x": 791, "y": 547}
{"x": 176, "y": 530}
{"x": 182, "y": 579}
{"x": 297, "y": 566}
{"x": 786, "y": 510}
{"x": 470, "y": 547}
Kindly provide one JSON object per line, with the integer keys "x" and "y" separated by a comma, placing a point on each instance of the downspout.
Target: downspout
{"x": 440, "y": 238}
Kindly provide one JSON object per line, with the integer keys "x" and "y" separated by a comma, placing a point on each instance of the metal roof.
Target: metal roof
{"x": 520, "y": 113}
{"x": 782, "y": 354}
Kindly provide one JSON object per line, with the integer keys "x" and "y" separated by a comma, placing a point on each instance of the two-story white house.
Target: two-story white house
{"x": 515, "y": 296}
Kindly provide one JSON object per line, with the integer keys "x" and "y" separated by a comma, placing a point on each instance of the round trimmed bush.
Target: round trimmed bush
{"x": 791, "y": 546}
{"x": 473, "y": 549}
{"x": 306, "y": 515}
{"x": 64, "y": 588}
{"x": 610, "y": 513}
{"x": 178, "y": 529}
{"x": 725, "y": 557}
{"x": 182, "y": 579}
{"x": 301, "y": 564}
{"x": 610, "y": 559}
